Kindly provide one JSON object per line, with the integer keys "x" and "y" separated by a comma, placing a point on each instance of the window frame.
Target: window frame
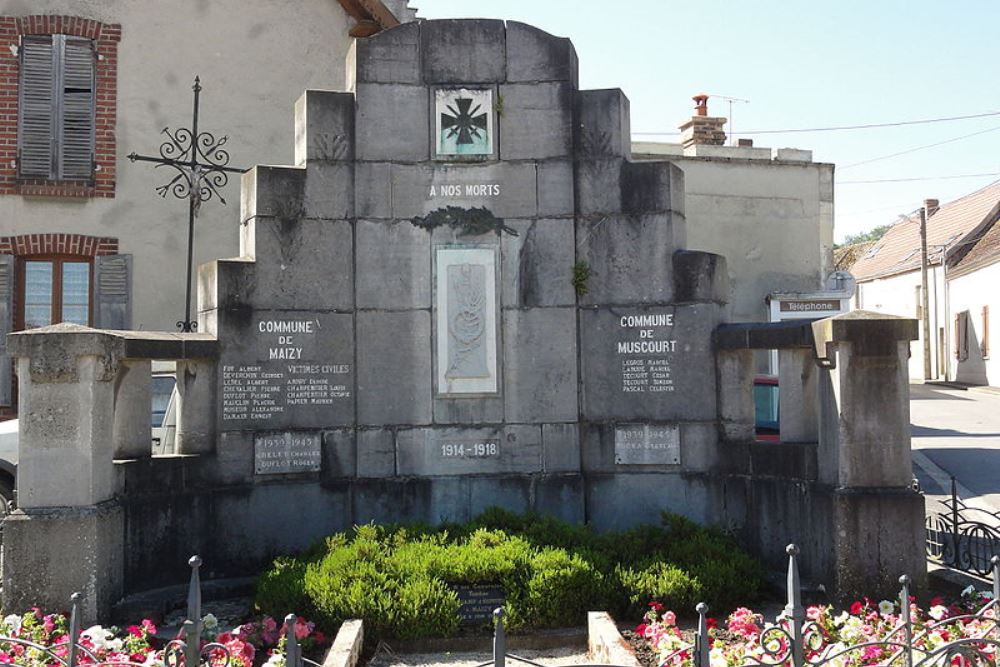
{"x": 57, "y": 287}
{"x": 58, "y": 118}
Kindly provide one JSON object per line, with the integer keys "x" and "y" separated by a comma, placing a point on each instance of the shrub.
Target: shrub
{"x": 400, "y": 579}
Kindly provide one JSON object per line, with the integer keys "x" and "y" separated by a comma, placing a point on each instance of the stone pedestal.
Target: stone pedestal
{"x": 67, "y": 535}
{"x": 133, "y": 398}
{"x": 864, "y": 452}
{"x": 49, "y": 554}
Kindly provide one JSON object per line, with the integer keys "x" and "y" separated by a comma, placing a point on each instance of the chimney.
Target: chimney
{"x": 702, "y": 128}
{"x": 932, "y": 205}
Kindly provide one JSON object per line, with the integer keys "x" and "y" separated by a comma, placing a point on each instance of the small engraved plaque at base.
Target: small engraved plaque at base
{"x": 477, "y": 602}
{"x": 647, "y": 444}
{"x": 284, "y": 453}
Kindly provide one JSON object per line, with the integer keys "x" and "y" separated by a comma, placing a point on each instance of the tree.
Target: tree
{"x": 864, "y": 237}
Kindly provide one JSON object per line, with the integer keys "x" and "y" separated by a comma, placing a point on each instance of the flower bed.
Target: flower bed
{"x": 868, "y": 633}
{"x": 35, "y": 639}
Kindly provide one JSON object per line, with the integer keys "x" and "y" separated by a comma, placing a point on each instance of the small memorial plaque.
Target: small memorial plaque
{"x": 283, "y": 453}
{"x": 477, "y": 602}
{"x": 647, "y": 444}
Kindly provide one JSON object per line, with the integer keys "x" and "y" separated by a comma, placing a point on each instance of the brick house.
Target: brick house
{"x": 83, "y": 235}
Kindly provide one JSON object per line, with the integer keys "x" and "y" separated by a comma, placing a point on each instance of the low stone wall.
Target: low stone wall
{"x": 346, "y": 649}
{"x": 605, "y": 645}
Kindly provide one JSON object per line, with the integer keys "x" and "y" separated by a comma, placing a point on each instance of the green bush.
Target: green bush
{"x": 399, "y": 578}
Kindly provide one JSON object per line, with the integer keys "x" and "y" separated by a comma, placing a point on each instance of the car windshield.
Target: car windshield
{"x": 162, "y": 388}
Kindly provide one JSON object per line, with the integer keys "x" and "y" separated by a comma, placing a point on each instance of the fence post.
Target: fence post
{"x": 794, "y": 610}
{"x": 995, "y": 562}
{"x": 74, "y": 627}
{"x": 194, "y": 601}
{"x": 702, "y": 643}
{"x": 954, "y": 524}
{"x": 499, "y": 639}
{"x": 904, "y": 611}
{"x": 184, "y": 646}
{"x": 293, "y": 652}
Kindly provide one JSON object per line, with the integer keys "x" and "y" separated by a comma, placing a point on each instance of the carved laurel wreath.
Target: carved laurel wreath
{"x": 468, "y": 221}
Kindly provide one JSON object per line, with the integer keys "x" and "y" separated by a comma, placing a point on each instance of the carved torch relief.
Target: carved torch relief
{"x": 465, "y": 305}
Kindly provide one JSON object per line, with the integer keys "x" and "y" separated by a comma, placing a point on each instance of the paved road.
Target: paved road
{"x": 959, "y": 434}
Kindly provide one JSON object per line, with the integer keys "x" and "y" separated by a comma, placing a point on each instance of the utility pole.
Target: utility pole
{"x": 924, "y": 301}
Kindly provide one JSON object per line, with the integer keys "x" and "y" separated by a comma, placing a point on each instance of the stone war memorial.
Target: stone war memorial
{"x": 464, "y": 294}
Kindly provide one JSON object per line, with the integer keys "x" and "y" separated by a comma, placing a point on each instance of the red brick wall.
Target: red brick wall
{"x": 58, "y": 244}
{"x": 106, "y": 37}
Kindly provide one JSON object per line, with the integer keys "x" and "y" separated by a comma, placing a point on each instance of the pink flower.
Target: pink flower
{"x": 148, "y": 626}
{"x": 669, "y": 618}
{"x": 303, "y": 629}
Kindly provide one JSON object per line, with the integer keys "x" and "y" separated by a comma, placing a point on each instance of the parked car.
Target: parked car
{"x": 766, "y": 408}
{"x": 162, "y": 424}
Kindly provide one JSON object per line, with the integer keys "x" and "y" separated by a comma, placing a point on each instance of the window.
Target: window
{"x": 56, "y": 107}
{"x": 54, "y": 290}
{"x": 962, "y": 336}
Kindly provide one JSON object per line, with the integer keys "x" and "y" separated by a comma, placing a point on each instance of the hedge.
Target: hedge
{"x": 398, "y": 578}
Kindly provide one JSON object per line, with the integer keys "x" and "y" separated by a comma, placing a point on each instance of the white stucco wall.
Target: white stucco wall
{"x": 897, "y": 295}
{"x": 970, "y": 293}
{"x": 773, "y": 221}
{"x": 254, "y": 57}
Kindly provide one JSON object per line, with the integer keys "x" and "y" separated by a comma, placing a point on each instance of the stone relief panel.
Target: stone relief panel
{"x": 465, "y": 305}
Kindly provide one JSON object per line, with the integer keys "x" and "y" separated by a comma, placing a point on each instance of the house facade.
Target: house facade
{"x": 973, "y": 279}
{"x": 84, "y": 235}
{"x": 889, "y": 281}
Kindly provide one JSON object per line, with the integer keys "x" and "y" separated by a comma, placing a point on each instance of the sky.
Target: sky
{"x": 801, "y": 65}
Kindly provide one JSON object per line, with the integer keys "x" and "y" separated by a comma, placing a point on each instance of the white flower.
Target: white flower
{"x": 210, "y": 622}
{"x": 153, "y": 659}
{"x": 115, "y": 645}
{"x": 938, "y": 612}
{"x": 885, "y": 607}
{"x": 13, "y": 622}
{"x": 969, "y": 590}
{"x": 98, "y": 637}
{"x": 716, "y": 657}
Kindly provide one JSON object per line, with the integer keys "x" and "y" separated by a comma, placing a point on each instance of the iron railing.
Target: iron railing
{"x": 794, "y": 641}
{"x": 71, "y": 652}
{"x": 963, "y": 537}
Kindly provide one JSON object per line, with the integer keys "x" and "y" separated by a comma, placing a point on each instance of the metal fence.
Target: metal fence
{"x": 963, "y": 537}
{"x": 794, "y": 641}
{"x": 187, "y": 649}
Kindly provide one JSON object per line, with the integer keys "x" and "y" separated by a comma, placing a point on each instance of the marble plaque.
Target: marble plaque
{"x": 466, "y": 317}
{"x": 283, "y": 453}
{"x": 463, "y": 122}
{"x": 647, "y": 444}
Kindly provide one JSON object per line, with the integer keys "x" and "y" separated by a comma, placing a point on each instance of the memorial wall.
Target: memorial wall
{"x": 464, "y": 294}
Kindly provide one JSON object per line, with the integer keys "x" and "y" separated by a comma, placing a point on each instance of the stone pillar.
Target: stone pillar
{"x": 133, "y": 402}
{"x": 865, "y": 452}
{"x": 196, "y": 406}
{"x": 734, "y": 372}
{"x": 799, "y": 396}
{"x": 66, "y": 536}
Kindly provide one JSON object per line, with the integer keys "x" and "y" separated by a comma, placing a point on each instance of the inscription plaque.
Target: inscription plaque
{"x": 645, "y": 346}
{"x": 465, "y": 303}
{"x": 647, "y": 444}
{"x": 283, "y": 453}
{"x": 292, "y": 378}
{"x": 477, "y": 602}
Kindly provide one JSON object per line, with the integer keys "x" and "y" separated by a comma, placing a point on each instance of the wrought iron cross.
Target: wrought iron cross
{"x": 202, "y": 171}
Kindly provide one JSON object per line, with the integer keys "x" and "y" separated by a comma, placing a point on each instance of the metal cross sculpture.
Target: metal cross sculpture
{"x": 202, "y": 171}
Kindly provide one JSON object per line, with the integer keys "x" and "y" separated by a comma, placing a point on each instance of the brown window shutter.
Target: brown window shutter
{"x": 76, "y": 90}
{"x": 36, "y": 104}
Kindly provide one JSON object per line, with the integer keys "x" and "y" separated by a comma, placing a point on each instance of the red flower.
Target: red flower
{"x": 856, "y": 608}
{"x": 656, "y": 605}
{"x": 641, "y": 629}
{"x": 711, "y": 623}
{"x": 935, "y": 601}
{"x": 135, "y": 631}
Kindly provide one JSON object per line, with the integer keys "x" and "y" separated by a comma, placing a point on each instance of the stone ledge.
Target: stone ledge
{"x": 605, "y": 645}
{"x": 346, "y": 649}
